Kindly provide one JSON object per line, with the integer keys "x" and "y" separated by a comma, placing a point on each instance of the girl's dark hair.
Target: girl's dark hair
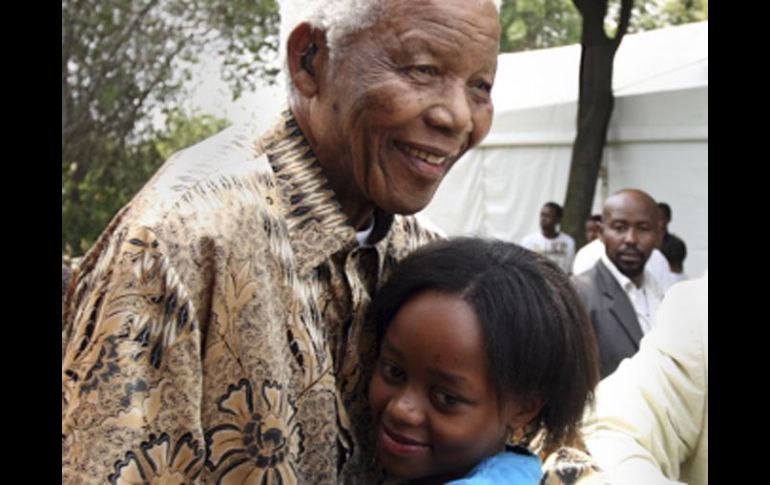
{"x": 539, "y": 339}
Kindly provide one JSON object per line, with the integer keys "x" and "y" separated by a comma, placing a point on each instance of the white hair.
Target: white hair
{"x": 338, "y": 18}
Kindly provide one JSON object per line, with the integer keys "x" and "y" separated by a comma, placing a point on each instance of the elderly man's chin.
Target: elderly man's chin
{"x": 404, "y": 190}
{"x": 405, "y": 203}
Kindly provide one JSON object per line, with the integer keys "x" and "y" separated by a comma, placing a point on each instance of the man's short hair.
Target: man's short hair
{"x": 556, "y": 208}
{"x": 666, "y": 209}
{"x": 674, "y": 249}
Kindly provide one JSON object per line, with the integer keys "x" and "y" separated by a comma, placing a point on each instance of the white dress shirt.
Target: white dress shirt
{"x": 588, "y": 255}
{"x": 645, "y": 299}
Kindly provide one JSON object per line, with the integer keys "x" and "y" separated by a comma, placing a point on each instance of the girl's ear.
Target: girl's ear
{"x": 521, "y": 412}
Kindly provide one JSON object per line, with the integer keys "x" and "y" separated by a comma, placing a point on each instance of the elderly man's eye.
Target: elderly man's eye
{"x": 422, "y": 70}
{"x": 482, "y": 86}
{"x": 426, "y": 69}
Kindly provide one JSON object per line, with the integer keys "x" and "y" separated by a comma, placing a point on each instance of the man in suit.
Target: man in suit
{"x": 619, "y": 294}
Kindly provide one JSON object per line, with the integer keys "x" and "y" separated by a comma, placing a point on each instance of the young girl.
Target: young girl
{"x": 479, "y": 339}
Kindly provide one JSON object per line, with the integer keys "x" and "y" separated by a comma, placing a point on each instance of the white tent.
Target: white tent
{"x": 657, "y": 141}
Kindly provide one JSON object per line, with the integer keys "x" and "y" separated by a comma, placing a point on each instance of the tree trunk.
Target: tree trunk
{"x": 594, "y": 111}
{"x": 595, "y": 104}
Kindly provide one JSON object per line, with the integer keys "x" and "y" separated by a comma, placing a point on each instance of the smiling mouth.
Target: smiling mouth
{"x": 400, "y": 445}
{"x": 402, "y": 439}
{"x": 427, "y": 157}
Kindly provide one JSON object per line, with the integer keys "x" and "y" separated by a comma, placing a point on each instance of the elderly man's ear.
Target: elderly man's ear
{"x": 307, "y": 55}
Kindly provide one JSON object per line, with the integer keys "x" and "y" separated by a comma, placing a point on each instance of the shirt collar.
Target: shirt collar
{"x": 363, "y": 235}
{"x": 317, "y": 226}
{"x": 649, "y": 282}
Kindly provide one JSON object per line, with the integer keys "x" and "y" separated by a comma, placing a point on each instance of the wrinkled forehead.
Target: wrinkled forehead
{"x": 343, "y": 21}
{"x": 340, "y": 18}
{"x": 464, "y": 32}
{"x": 467, "y": 21}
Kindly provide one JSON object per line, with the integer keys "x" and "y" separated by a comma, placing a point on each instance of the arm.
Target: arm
{"x": 650, "y": 413}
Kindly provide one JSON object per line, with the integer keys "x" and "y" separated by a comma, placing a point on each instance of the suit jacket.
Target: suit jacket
{"x": 617, "y": 329}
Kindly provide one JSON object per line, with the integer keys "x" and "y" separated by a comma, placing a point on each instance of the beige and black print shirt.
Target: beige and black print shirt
{"x": 213, "y": 334}
{"x": 214, "y": 329}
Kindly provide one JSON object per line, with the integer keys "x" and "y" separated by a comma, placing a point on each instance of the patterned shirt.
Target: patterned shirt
{"x": 215, "y": 329}
{"x": 214, "y": 333}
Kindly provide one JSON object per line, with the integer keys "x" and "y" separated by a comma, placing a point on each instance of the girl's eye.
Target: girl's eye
{"x": 446, "y": 400}
{"x": 391, "y": 372}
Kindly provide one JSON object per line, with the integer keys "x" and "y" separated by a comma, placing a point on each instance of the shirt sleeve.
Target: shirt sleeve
{"x": 650, "y": 412}
{"x": 131, "y": 368}
{"x": 571, "y": 466}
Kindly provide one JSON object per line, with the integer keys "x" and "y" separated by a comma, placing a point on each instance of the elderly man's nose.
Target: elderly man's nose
{"x": 452, "y": 112}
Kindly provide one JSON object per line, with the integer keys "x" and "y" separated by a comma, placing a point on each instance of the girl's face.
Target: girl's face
{"x": 432, "y": 395}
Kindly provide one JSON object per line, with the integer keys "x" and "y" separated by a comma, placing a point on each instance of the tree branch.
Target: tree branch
{"x": 135, "y": 104}
{"x": 625, "y": 19}
{"x": 121, "y": 39}
{"x": 593, "y": 12}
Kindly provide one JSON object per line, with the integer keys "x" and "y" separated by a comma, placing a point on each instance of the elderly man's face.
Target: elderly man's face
{"x": 405, "y": 99}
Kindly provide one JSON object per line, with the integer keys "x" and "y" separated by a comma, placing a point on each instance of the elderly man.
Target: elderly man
{"x": 620, "y": 295}
{"x": 215, "y": 328}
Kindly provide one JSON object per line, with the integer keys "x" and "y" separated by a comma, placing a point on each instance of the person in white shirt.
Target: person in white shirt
{"x": 554, "y": 245}
{"x": 650, "y": 422}
{"x": 672, "y": 246}
{"x": 675, "y": 251}
{"x": 620, "y": 295}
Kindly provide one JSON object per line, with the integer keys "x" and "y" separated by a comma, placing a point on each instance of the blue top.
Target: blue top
{"x": 514, "y": 466}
